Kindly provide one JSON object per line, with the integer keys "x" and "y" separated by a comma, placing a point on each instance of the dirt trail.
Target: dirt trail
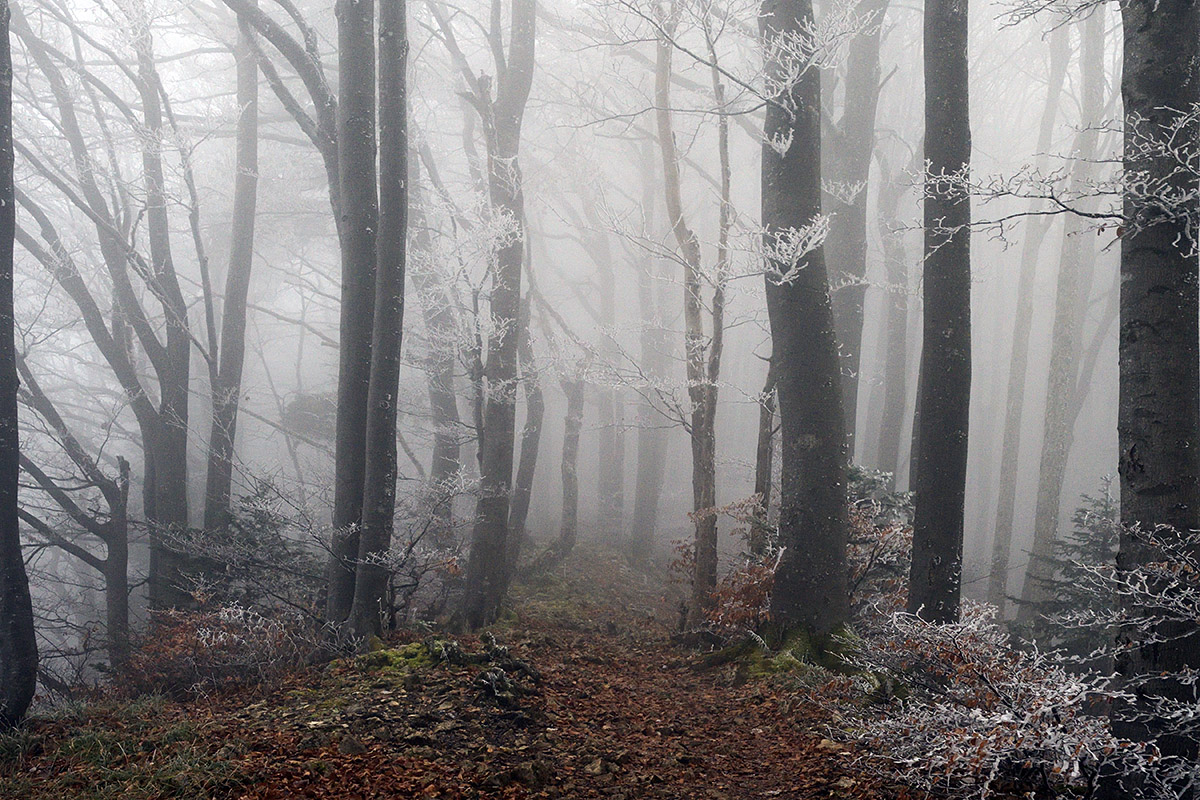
{"x": 579, "y": 695}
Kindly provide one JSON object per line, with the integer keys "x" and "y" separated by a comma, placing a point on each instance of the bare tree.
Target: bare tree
{"x": 945, "y": 382}
{"x": 229, "y": 355}
{"x": 379, "y": 482}
{"x": 359, "y": 206}
{"x": 1158, "y": 414}
{"x": 489, "y": 562}
{"x": 1066, "y": 388}
{"x": 810, "y": 589}
{"x": 852, "y": 140}
{"x": 18, "y": 644}
{"x": 702, "y": 351}
{"x": 1035, "y": 231}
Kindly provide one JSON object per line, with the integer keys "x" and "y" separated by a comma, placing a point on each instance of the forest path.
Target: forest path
{"x": 577, "y": 693}
{"x": 629, "y": 715}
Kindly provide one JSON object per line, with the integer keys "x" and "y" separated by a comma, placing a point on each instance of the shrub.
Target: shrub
{"x": 957, "y": 710}
{"x": 187, "y": 653}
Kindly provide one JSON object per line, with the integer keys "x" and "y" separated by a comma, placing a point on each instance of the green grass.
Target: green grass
{"x": 131, "y": 751}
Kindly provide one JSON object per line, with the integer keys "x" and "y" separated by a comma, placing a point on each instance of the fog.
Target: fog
{"x": 603, "y": 276}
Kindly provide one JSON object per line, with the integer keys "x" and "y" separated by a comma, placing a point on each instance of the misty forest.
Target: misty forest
{"x": 599, "y": 398}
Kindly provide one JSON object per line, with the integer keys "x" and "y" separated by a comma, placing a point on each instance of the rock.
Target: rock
{"x": 350, "y": 746}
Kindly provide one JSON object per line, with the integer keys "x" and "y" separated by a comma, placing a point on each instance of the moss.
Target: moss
{"x": 406, "y": 658}
{"x": 785, "y": 651}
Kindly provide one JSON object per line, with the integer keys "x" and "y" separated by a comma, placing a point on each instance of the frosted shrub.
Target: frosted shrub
{"x": 958, "y": 710}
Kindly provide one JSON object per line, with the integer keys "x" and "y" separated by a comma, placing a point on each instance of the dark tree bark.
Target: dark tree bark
{"x": 531, "y": 434}
{"x": 379, "y": 493}
{"x": 764, "y": 463}
{"x": 1035, "y": 231}
{"x": 945, "y": 383}
{"x": 169, "y": 567}
{"x": 227, "y": 379}
{"x": 359, "y": 223}
{"x": 1158, "y": 415}
{"x": 1075, "y": 267}
{"x": 18, "y": 645}
{"x": 163, "y": 428}
{"x": 811, "y": 582}
{"x": 112, "y": 529}
{"x": 853, "y": 141}
{"x": 488, "y": 566}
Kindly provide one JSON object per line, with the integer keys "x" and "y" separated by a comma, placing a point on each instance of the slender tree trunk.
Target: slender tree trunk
{"x": 227, "y": 388}
{"x": 651, "y": 439}
{"x": 1035, "y": 232}
{"x": 895, "y": 377}
{"x": 488, "y": 566}
{"x": 811, "y": 582}
{"x": 169, "y": 567}
{"x": 764, "y": 463}
{"x": 441, "y": 330}
{"x": 574, "y": 391}
{"x": 531, "y": 436}
{"x": 1066, "y": 342}
{"x": 702, "y": 390}
{"x": 1158, "y": 416}
{"x": 611, "y": 506}
{"x": 18, "y": 645}
{"x": 945, "y": 382}
{"x": 360, "y": 221}
{"x": 379, "y": 476}
{"x": 116, "y": 574}
{"x": 846, "y": 245}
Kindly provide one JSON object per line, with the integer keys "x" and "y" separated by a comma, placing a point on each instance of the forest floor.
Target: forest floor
{"x": 580, "y": 694}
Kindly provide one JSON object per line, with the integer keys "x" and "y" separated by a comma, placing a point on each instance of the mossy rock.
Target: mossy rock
{"x": 406, "y": 658}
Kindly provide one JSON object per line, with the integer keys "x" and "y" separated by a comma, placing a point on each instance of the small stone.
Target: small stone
{"x": 349, "y": 746}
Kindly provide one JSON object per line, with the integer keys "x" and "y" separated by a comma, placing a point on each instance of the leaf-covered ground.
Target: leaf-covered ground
{"x": 578, "y": 693}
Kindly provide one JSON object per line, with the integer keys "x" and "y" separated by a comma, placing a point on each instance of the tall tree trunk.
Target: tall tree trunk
{"x": 1158, "y": 416}
{"x": 18, "y": 645}
{"x": 653, "y": 349}
{"x": 895, "y": 372}
{"x": 531, "y": 435}
{"x": 169, "y": 567}
{"x": 702, "y": 389}
{"x": 441, "y": 329}
{"x": 360, "y": 221}
{"x": 611, "y": 473}
{"x": 1035, "y": 231}
{"x": 1066, "y": 343}
{"x": 846, "y": 245}
{"x": 227, "y": 387}
{"x": 379, "y": 475}
{"x": 945, "y": 382}
{"x": 488, "y": 566}
{"x": 811, "y": 581}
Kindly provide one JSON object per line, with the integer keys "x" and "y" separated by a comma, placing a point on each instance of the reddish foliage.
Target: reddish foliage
{"x": 186, "y": 652}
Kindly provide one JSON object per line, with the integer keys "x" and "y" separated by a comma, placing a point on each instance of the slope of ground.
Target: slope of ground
{"x": 578, "y": 693}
